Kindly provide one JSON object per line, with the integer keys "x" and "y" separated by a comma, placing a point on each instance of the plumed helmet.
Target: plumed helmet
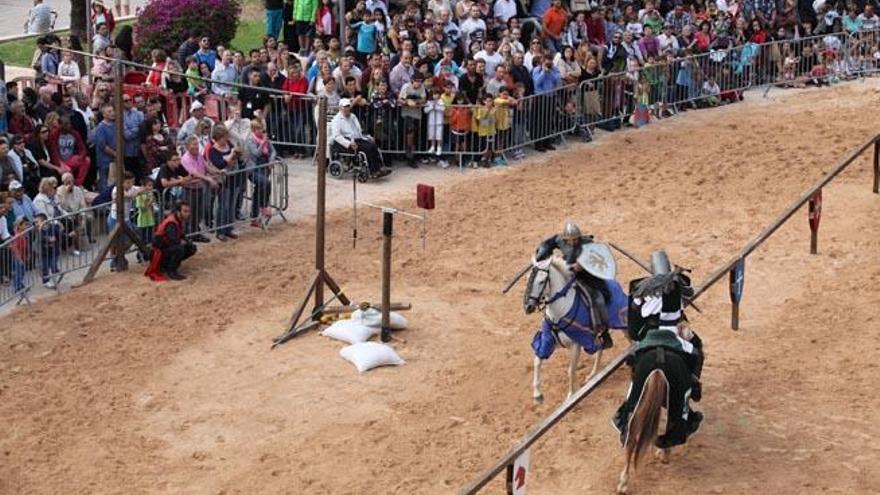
{"x": 571, "y": 231}
{"x": 660, "y": 263}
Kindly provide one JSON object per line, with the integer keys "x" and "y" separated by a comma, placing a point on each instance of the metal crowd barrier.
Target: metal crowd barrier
{"x": 70, "y": 242}
{"x": 246, "y": 195}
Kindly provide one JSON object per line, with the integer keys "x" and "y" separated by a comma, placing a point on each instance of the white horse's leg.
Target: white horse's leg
{"x": 623, "y": 483}
{"x": 536, "y": 382}
{"x": 574, "y": 352}
{"x": 596, "y": 361}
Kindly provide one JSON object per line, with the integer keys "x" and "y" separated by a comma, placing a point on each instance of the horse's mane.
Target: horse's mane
{"x": 559, "y": 264}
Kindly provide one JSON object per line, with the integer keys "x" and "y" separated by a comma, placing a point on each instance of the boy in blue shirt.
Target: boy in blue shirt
{"x": 367, "y": 31}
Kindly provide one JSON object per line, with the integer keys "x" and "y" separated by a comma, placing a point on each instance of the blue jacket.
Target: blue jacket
{"x": 545, "y": 80}
{"x": 105, "y": 135}
{"x": 132, "y": 121}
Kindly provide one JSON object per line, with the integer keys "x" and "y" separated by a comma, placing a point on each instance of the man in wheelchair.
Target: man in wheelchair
{"x": 346, "y": 137}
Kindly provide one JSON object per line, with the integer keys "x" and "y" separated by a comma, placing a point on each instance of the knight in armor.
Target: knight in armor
{"x": 656, "y": 319}
{"x": 570, "y": 243}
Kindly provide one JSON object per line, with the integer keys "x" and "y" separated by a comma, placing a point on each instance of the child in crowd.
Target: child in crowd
{"x": 145, "y": 203}
{"x": 50, "y": 248}
{"x": 484, "y": 122}
{"x": 21, "y": 254}
{"x": 460, "y": 123}
{"x": 712, "y": 92}
{"x": 195, "y": 87}
{"x": 381, "y": 105}
{"x": 434, "y": 109}
{"x": 503, "y": 104}
{"x": 642, "y": 98}
{"x": 519, "y": 117}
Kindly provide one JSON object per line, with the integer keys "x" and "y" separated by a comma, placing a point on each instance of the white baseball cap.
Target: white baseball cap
{"x": 196, "y": 105}
{"x": 345, "y": 102}
{"x": 15, "y": 185}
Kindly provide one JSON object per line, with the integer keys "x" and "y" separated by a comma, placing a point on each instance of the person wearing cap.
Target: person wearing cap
{"x": 22, "y": 205}
{"x": 196, "y": 115}
{"x": 345, "y": 132}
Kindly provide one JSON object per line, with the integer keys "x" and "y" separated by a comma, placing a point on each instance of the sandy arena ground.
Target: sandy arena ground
{"x": 127, "y": 386}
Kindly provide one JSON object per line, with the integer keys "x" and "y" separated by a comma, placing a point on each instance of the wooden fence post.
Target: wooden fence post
{"x": 814, "y": 216}
{"x": 877, "y": 167}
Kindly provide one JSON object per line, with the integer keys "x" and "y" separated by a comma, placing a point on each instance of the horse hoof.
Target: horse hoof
{"x": 662, "y": 455}
{"x": 622, "y": 488}
{"x": 539, "y": 399}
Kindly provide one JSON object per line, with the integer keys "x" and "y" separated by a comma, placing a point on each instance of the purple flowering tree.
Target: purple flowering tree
{"x": 166, "y": 24}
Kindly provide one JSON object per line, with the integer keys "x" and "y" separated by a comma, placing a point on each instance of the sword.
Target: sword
{"x": 647, "y": 269}
{"x": 516, "y": 278}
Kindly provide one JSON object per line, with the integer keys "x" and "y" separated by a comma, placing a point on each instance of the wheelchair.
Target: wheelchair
{"x": 346, "y": 162}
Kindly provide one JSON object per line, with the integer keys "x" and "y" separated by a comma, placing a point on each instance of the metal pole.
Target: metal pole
{"x": 88, "y": 41}
{"x": 118, "y": 168}
{"x": 387, "y": 228}
{"x": 321, "y": 154}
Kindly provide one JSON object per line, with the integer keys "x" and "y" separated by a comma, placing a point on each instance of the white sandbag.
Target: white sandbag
{"x": 373, "y": 318}
{"x": 368, "y": 355}
{"x": 350, "y": 331}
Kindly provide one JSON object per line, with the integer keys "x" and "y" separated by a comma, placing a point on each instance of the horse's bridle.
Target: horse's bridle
{"x": 538, "y": 302}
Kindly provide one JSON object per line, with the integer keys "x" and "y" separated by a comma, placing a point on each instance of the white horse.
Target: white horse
{"x": 549, "y": 286}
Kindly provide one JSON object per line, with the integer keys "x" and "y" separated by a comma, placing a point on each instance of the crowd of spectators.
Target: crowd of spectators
{"x": 425, "y": 78}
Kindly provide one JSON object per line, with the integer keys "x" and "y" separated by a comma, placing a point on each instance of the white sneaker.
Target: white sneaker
{"x": 444, "y": 164}
{"x": 77, "y": 252}
{"x": 439, "y": 150}
{"x": 432, "y": 150}
{"x": 50, "y": 284}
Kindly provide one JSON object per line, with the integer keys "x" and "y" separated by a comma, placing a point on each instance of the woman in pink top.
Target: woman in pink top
{"x": 199, "y": 190}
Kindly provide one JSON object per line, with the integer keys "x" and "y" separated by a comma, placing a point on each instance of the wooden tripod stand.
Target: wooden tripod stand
{"x": 321, "y": 277}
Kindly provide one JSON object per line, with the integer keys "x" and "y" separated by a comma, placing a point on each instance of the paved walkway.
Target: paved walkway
{"x": 15, "y": 13}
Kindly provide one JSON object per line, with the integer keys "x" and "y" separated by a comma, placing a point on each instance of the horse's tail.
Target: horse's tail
{"x": 646, "y": 417}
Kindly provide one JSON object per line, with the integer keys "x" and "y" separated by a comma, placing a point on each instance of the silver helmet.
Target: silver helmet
{"x": 571, "y": 232}
{"x": 660, "y": 263}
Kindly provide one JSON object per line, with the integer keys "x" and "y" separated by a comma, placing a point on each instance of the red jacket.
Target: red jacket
{"x": 300, "y": 86}
{"x": 52, "y": 144}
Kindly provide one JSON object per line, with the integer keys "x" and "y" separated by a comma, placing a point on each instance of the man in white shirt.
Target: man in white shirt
{"x": 668, "y": 41}
{"x": 492, "y": 58}
{"x": 473, "y": 28}
{"x": 503, "y": 10}
{"x": 223, "y": 74}
{"x": 345, "y": 133}
{"x": 869, "y": 20}
{"x": 40, "y": 19}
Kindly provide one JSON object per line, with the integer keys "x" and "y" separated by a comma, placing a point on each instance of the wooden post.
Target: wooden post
{"x": 119, "y": 166}
{"x": 877, "y": 167}
{"x": 734, "y": 316}
{"x": 321, "y": 155}
{"x": 509, "y": 479}
{"x": 814, "y": 216}
{"x": 387, "y": 231}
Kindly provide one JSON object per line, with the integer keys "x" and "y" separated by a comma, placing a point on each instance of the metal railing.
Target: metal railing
{"x": 735, "y": 268}
{"x": 67, "y": 243}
